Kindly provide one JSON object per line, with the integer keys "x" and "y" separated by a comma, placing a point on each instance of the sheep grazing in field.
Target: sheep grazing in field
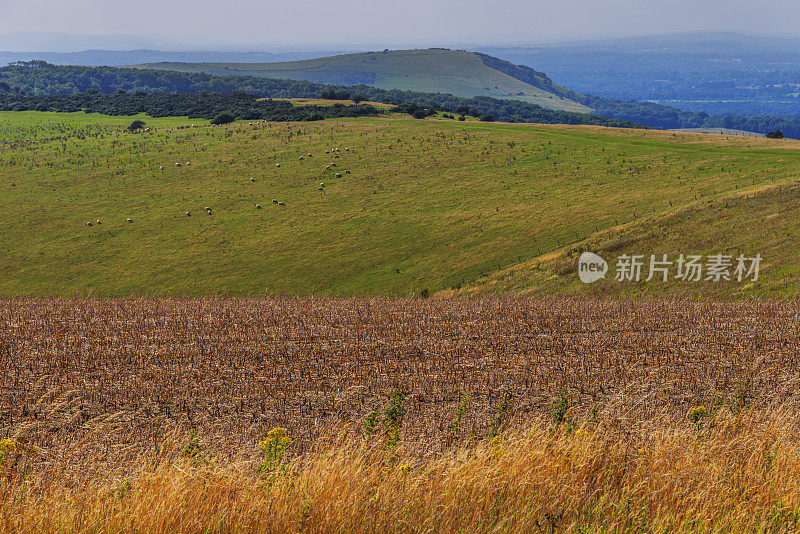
{"x": 347, "y": 171}
{"x": 252, "y": 179}
{"x": 322, "y": 184}
{"x": 207, "y": 208}
{"x": 333, "y": 165}
{"x": 187, "y": 163}
{"x": 161, "y": 167}
{"x": 89, "y": 223}
{"x": 301, "y": 158}
{"x": 327, "y": 151}
{"x": 347, "y": 150}
{"x": 98, "y": 221}
{"x": 327, "y": 167}
{"x": 277, "y": 165}
{"x": 188, "y": 213}
{"x": 274, "y": 201}
{"x": 129, "y": 220}
{"x": 320, "y": 189}
{"x": 281, "y": 203}
{"x": 309, "y": 155}
{"x": 177, "y": 164}
{"x": 338, "y": 175}
{"x": 258, "y": 206}
{"x": 336, "y": 156}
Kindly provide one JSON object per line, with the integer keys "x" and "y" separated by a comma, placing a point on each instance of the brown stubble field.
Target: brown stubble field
{"x": 235, "y": 369}
{"x": 391, "y": 415}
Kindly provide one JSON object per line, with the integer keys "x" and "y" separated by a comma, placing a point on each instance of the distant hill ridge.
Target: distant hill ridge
{"x": 434, "y": 70}
{"x": 38, "y": 78}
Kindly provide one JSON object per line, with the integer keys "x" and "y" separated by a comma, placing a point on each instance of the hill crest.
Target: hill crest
{"x": 434, "y": 70}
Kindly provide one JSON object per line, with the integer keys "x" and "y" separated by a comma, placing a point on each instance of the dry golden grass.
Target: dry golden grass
{"x": 403, "y": 415}
{"x": 328, "y": 102}
{"x": 733, "y": 474}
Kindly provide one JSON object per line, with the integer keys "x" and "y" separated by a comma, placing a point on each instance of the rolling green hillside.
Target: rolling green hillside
{"x": 761, "y": 221}
{"x": 460, "y": 73}
{"x": 426, "y": 205}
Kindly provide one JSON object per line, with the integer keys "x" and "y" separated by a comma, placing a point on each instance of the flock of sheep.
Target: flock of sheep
{"x": 334, "y": 151}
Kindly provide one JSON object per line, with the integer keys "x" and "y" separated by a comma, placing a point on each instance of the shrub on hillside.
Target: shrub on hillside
{"x": 136, "y": 125}
{"x": 332, "y": 94}
{"x": 223, "y": 118}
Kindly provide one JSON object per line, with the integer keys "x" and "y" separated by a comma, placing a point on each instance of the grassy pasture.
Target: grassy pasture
{"x": 33, "y": 126}
{"x": 428, "y": 204}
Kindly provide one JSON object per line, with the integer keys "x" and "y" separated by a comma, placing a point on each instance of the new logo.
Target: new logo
{"x": 591, "y": 268}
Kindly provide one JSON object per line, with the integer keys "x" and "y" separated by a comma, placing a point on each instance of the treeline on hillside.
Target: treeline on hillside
{"x": 527, "y": 75}
{"x": 40, "y": 78}
{"x": 667, "y": 118}
{"x": 202, "y": 105}
{"x": 491, "y": 109}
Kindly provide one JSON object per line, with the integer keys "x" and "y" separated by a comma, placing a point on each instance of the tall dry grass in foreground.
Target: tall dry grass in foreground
{"x": 723, "y": 473}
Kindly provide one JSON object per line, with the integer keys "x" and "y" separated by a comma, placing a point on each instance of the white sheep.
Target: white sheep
{"x": 338, "y": 175}
{"x": 129, "y": 220}
{"x": 277, "y": 165}
{"x": 258, "y": 206}
{"x": 347, "y": 171}
{"x": 281, "y": 203}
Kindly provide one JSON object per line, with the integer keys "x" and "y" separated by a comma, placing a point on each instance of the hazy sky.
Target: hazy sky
{"x": 428, "y": 22}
